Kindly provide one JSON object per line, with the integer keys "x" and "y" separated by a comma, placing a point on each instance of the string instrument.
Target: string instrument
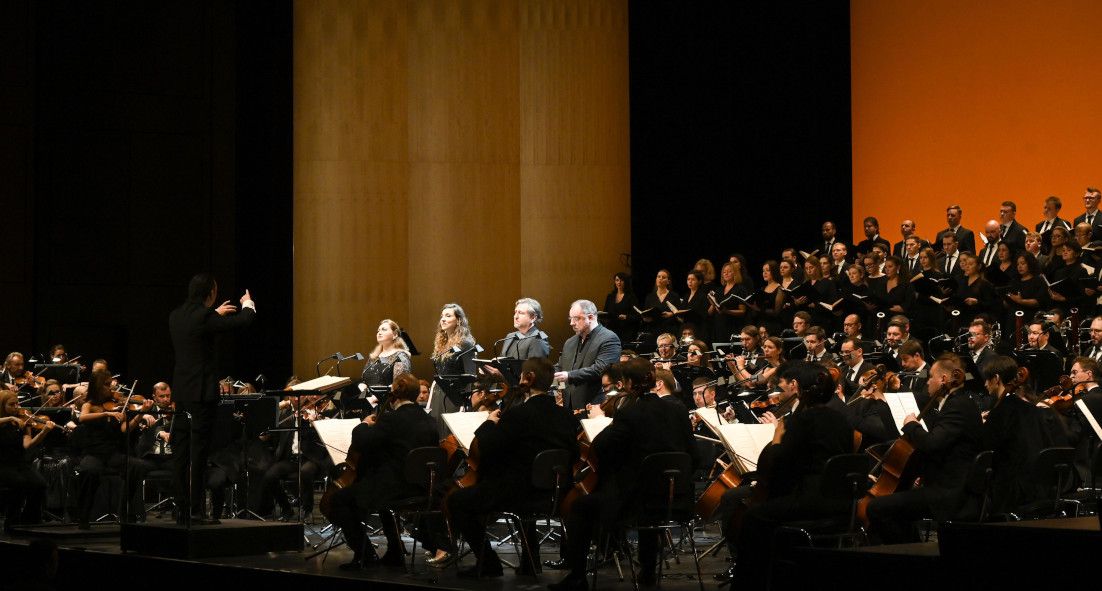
{"x": 899, "y": 468}
{"x": 709, "y": 500}
{"x": 873, "y": 383}
{"x": 1011, "y": 387}
{"x": 33, "y": 421}
{"x": 29, "y": 379}
{"x": 1062, "y": 396}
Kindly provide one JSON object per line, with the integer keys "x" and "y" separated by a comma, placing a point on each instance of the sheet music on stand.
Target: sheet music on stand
{"x": 336, "y": 434}
{"x": 594, "y": 426}
{"x": 1090, "y": 419}
{"x": 463, "y": 425}
{"x": 902, "y": 404}
{"x": 744, "y": 442}
{"x": 323, "y": 384}
{"x": 711, "y": 418}
{"x": 508, "y": 366}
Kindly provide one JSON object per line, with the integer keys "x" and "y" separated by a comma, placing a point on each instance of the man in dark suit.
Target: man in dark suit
{"x": 966, "y": 240}
{"x": 917, "y": 371}
{"x": 949, "y": 260}
{"x": 907, "y": 228}
{"x": 1051, "y": 212}
{"x": 1091, "y": 213}
{"x": 1082, "y": 423}
{"x": 872, "y": 236}
{"x": 1010, "y": 231}
{"x": 948, "y": 449}
{"x": 853, "y": 355}
{"x": 585, "y": 356}
{"x": 381, "y": 443}
{"x": 193, "y": 327}
{"x": 993, "y": 232}
{"x": 830, "y": 238}
{"x": 509, "y": 442}
{"x": 911, "y": 247}
{"x": 527, "y": 341}
{"x": 640, "y": 428}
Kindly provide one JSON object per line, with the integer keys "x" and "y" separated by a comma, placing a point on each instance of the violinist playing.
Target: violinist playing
{"x": 26, "y": 487}
{"x": 104, "y": 425}
{"x": 947, "y": 449}
{"x": 508, "y": 443}
{"x": 15, "y": 378}
{"x": 1085, "y": 374}
{"x": 378, "y": 453}
{"x": 315, "y": 459}
{"x": 789, "y": 467}
{"x": 867, "y": 411}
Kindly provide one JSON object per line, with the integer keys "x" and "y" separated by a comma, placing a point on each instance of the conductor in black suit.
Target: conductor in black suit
{"x": 193, "y": 327}
{"x": 585, "y": 356}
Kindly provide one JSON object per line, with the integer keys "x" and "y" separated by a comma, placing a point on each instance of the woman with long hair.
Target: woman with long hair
{"x": 619, "y": 308}
{"x": 662, "y": 319}
{"x": 731, "y": 312}
{"x": 454, "y": 331}
{"x": 389, "y": 360}
{"x": 26, "y": 487}
{"x": 767, "y": 302}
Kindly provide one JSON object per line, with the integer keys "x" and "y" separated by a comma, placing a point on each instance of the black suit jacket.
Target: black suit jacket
{"x": 899, "y": 249}
{"x": 865, "y": 246}
{"x": 812, "y": 436}
{"x": 519, "y": 346}
{"x": 585, "y": 362}
{"x": 1056, "y": 221}
{"x": 193, "y": 327}
{"x": 1096, "y": 223}
{"x": 849, "y": 387}
{"x": 966, "y": 240}
{"x": 957, "y": 273}
{"x": 993, "y": 248}
{"x": 509, "y": 447}
{"x": 1014, "y": 236}
{"x": 383, "y": 447}
{"x": 950, "y": 446}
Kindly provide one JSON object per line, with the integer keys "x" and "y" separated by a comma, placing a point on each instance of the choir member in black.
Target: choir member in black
{"x": 454, "y": 331}
{"x": 509, "y": 441}
{"x": 1053, "y": 261}
{"x": 731, "y": 313}
{"x": 856, "y": 288}
{"x": 1005, "y": 270}
{"x": 928, "y": 316}
{"x": 315, "y": 460}
{"x": 1085, "y": 372}
{"x": 827, "y": 292}
{"x": 388, "y": 360}
{"x": 826, "y": 269}
{"x": 890, "y": 294}
{"x": 948, "y": 450}
{"x": 648, "y": 425}
{"x": 619, "y": 307}
{"x": 767, "y": 303}
{"x": 708, "y": 270}
{"x": 527, "y": 340}
{"x": 872, "y": 236}
{"x": 381, "y": 443}
{"x": 1014, "y": 430}
{"x": 790, "y": 468}
{"x": 696, "y": 303}
{"x": 1069, "y": 293}
{"x": 104, "y": 443}
{"x": 976, "y": 295}
{"x": 26, "y": 489}
{"x": 661, "y": 319}
{"x": 1028, "y": 293}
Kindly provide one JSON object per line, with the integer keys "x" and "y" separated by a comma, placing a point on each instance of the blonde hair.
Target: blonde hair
{"x": 443, "y": 343}
{"x": 708, "y": 269}
{"x": 5, "y": 395}
{"x": 399, "y": 342}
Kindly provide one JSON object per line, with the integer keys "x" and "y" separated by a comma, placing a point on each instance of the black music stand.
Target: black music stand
{"x": 64, "y": 373}
{"x": 881, "y": 357}
{"x": 1044, "y": 366}
{"x": 508, "y": 366}
{"x": 255, "y": 414}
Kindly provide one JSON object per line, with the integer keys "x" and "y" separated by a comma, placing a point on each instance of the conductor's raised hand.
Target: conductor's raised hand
{"x": 226, "y": 308}
{"x": 248, "y": 297}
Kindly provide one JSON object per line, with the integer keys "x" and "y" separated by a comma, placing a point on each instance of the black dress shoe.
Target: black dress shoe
{"x": 490, "y": 570}
{"x": 726, "y": 576}
{"x": 559, "y": 564}
{"x": 356, "y": 564}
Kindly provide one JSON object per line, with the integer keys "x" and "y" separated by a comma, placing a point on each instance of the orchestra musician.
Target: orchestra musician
{"x": 105, "y": 430}
{"x": 314, "y": 458}
{"x": 948, "y": 449}
{"x": 853, "y": 357}
{"x": 585, "y": 356}
{"x": 454, "y": 333}
{"x": 193, "y": 327}
{"x": 26, "y": 489}
{"x": 509, "y": 442}
{"x": 527, "y": 340}
{"x": 1084, "y": 374}
{"x": 646, "y": 426}
{"x": 379, "y": 448}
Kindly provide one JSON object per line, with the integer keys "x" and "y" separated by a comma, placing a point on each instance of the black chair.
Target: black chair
{"x": 845, "y": 478}
{"x": 550, "y": 471}
{"x": 663, "y": 476}
{"x": 424, "y": 467}
{"x": 1053, "y": 470}
{"x": 978, "y": 484}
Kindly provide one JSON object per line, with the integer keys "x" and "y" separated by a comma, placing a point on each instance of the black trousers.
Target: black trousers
{"x": 272, "y": 490}
{"x": 348, "y": 510}
{"x": 191, "y": 438}
{"x": 469, "y": 507}
{"x": 26, "y": 494}
{"x": 90, "y": 472}
{"x": 601, "y": 510}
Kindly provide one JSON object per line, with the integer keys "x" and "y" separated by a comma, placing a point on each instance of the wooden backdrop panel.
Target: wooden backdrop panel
{"x": 455, "y": 151}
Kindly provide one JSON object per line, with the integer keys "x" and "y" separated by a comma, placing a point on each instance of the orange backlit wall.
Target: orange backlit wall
{"x": 973, "y": 103}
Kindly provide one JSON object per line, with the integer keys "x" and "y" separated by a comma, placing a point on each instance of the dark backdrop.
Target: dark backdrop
{"x": 740, "y": 131}
{"x": 140, "y": 143}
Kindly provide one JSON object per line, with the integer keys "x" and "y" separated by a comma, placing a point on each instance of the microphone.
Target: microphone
{"x": 356, "y": 356}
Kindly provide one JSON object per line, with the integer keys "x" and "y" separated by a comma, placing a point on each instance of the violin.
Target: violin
{"x": 33, "y": 421}
{"x": 873, "y": 383}
{"x": 29, "y": 379}
{"x": 1062, "y": 396}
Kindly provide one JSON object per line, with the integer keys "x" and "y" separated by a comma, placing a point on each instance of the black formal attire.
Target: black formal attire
{"x": 1016, "y": 432}
{"x": 380, "y": 473}
{"x": 194, "y": 327}
{"x": 725, "y": 325}
{"x": 585, "y": 360}
{"x": 26, "y": 489}
{"x": 828, "y": 291}
{"x": 987, "y": 300}
{"x": 851, "y": 377}
{"x": 653, "y": 322}
{"x": 928, "y": 318}
{"x": 948, "y": 450}
{"x": 508, "y": 449}
{"x": 872, "y": 417}
{"x": 382, "y": 370}
{"x": 444, "y": 399}
{"x": 966, "y": 239}
{"x": 1013, "y": 234}
{"x": 315, "y": 461}
{"x": 865, "y": 246}
{"x": 899, "y": 249}
{"x": 1081, "y": 433}
{"x": 792, "y": 469}
{"x": 526, "y": 346}
{"x": 916, "y": 384}
{"x": 627, "y": 328}
{"x": 911, "y": 267}
{"x": 950, "y": 266}
{"x": 769, "y": 305}
{"x": 1071, "y": 288}
{"x": 989, "y": 255}
{"x": 697, "y": 305}
{"x": 1046, "y": 225}
{"x": 649, "y": 425}
{"x": 1094, "y": 219}
{"x": 104, "y": 447}
{"x": 886, "y": 298}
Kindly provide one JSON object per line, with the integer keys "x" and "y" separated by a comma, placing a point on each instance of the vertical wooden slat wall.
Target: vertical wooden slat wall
{"x": 470, "y": 151}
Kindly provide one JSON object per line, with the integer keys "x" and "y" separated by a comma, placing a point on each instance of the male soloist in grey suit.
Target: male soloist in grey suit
{"x": 527, "y": 341}
{"x": 585, "y": 356}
